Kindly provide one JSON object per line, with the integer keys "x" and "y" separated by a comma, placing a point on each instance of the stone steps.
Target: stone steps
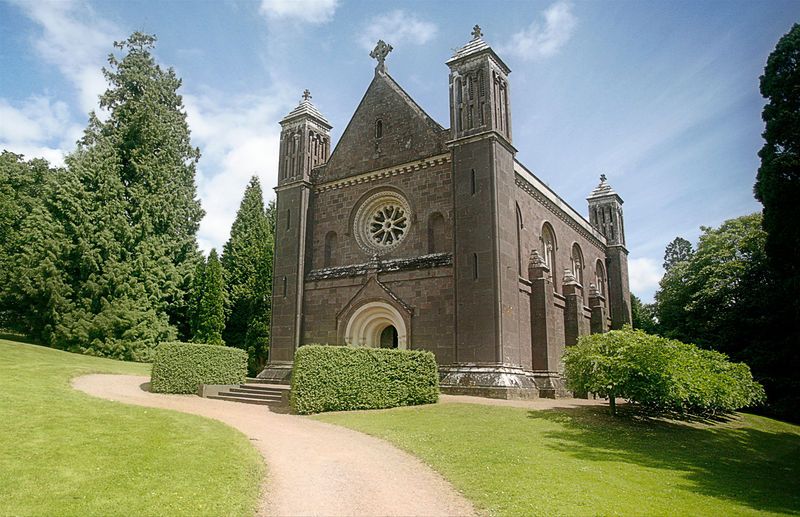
{"x": 251, "y": 393}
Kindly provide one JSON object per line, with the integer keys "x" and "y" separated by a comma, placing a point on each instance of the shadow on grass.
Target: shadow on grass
{"x": 757, "y": 468}
{"x": 12, "y": 336}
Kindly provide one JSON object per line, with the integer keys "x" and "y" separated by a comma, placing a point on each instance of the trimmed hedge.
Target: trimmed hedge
{"x": 660, "y": 374}
{"x": 341, "y": 378}
{"x": 182, "y": 367}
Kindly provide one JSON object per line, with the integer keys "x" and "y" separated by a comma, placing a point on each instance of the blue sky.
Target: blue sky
{"x": 661, "y": 96}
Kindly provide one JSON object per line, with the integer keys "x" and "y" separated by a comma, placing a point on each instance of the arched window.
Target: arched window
{"x": 549, "y": 251}
{"x": 379, "y": 129}
{"x": 436, "y": 233}
{"x": 600, "y": 277}
{"x": 331, "y": 241}
{"x": 577, "y": 263}
{"x": 520, "y": 258}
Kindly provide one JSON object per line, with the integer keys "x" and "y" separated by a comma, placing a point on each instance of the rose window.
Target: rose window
{"x": 388, "y": 225}
{"x": 382, "y": 222}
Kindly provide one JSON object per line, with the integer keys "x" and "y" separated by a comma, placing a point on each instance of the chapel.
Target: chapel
{"x": 411, "y": 235}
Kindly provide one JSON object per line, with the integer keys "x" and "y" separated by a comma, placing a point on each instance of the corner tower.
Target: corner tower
{"x": 605, "y": 214}
{"x": 486, "y": 273}
{"x": 304, "y": 144}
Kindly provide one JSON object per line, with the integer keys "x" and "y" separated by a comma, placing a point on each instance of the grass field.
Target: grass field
{"x": 514, "y": 461}
{"x": 65, "y": 453}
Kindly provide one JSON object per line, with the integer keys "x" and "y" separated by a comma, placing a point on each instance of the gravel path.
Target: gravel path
{"x": 313, "y": 468}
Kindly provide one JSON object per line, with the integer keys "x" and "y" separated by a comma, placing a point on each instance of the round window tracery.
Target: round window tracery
{"x": 382, "y": 222}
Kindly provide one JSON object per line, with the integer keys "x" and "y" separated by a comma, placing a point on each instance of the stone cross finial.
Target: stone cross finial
{"x": 476, "y": 32}
{"x": 602, "y": 178}
{"x": 380, "y": 52}
{"x": 306, "y": 94}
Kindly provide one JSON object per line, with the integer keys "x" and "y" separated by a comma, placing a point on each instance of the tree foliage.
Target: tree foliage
{"x": 716, "y": 297}
{"x": 247, "y": 262}
{"x": 679, "y": 250}
{"x": 24, "y": 186}
{"x": 778, "y": 181}
{"x": 643, "y": 314}
{"x": 104, "y": 252}
{"x": 210, "y": 307}
{"x": 726, "y": 297}
{"x": 659, "y": 374}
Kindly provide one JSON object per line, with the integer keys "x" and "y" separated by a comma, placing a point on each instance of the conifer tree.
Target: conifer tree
{"x": 211, "y": 308}
{"x": 247, "y": 262}
{"x": 23, "y": 189}
{"x": 147, "y": 125}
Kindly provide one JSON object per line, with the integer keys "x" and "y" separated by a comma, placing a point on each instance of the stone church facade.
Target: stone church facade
{"x": 416, "y": 236}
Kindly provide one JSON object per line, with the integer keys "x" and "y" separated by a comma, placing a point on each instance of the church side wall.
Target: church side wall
{"x": 534, "y": 216}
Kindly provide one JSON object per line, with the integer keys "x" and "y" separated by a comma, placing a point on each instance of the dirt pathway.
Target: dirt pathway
{"x": 313, "y": 468}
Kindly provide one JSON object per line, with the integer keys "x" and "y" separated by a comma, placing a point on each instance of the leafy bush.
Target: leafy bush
{"x": 182, "y": 367}
{"x": 659, "y": 374}
{"x": 340, "y": 378}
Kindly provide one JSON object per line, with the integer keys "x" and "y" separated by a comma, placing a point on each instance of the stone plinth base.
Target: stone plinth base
{"x": 276, "y": 373}
{"x": 499, "y": 382}
{"x": 551, "y": 385}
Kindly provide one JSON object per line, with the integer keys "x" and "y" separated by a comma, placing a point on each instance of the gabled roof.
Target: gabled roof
{"x": 409, "y": 133}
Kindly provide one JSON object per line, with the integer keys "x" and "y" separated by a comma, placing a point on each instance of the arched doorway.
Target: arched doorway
{"x": 389, "y": 337}
{"x": 377, "y": 325}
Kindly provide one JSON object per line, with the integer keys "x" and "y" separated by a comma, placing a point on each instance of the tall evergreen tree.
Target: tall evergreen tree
{"x": 247, "y": 262}
{"x": 778, "y": 181}
{"x": 778, "y": 188}
{"x": 114, "y": 315}
{"x": 147, "y": 125}
{"x": 24, "y": 187}
{"x": 117, "y": 235}
{"x": 210, "y": 317}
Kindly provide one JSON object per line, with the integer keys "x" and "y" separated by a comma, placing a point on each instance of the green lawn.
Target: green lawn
{"x": 65, "y": 453}
{"x": 514, "y": 461}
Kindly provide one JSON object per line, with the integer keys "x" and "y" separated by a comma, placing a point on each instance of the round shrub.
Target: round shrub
{"x": 659, "y": 374}
{"x": 182, "y": 367}
{"x": 340, "y": 378}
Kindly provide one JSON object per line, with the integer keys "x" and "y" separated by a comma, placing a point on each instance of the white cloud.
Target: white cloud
{"x": 396, "y": 28}
{"x": 74, "y": 40}
{"x": 306, "y": 11}
{"x": 644, "y": 274}
{"x": 238, "y": 138}
{"x": 38, "y": 128}
{"x": 542, "y": 40}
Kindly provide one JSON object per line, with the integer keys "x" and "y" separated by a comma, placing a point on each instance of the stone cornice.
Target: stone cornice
{"x": 493, "y": 134}
{"x": 558, "y": 212}
{"x": 382, "y": 266}
{"x": 292, "y": 184}
{"x": 384, "y": 173}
